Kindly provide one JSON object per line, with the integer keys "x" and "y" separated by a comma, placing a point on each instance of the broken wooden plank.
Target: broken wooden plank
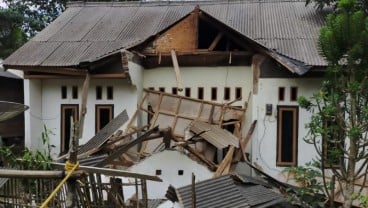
{"x": 179, "y": 81}
{"x": 184, "y": 144}
{"x": 126, "y": 147}
{"x": 11, "y": 173}
{"x": 244, "y": 141}
{"x": 226, "y": 161}
{"x": 112, "y": 172}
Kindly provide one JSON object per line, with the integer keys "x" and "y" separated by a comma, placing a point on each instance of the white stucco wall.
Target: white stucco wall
{"x": 169, "y": 162}
{"x": 264, "y": 140}
{"x": 33, "y": 119}
{"x": 207, "y": 77}
{"x": 44, "y": 98}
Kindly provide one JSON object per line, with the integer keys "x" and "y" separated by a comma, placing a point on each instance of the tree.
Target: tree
{"x": 37, "y": 14}
{"x": 22, "y": 19}
{"x": 339, "y": 125}
{"x": 11, "y": 34}
{"x": 320, "y": 4}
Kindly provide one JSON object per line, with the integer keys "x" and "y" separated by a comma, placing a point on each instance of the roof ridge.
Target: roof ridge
{"x": 94, "y": 3}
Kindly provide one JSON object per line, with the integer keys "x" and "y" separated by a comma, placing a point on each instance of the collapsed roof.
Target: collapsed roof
{"x": 88, "y": 32}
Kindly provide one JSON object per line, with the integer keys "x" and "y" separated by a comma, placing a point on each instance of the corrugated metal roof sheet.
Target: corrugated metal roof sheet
{"x": 215, "y": 135}
{"x": 225, "y": 192}
{"x": 87, "y": 31}
{"x": 101, "y": 137}
{"x": 219, "y": 192}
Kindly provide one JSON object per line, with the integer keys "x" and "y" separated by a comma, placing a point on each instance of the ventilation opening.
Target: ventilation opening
{"x": 174, "y": 90}
{"x": 294, "y": 94}
{"x": 187, "y": 92}
{"x": 158, "y": 172}
{"x": 64, "y": 92}
{"x": 200, "y": 93}
{"x": 281, "y": 93}
{"x": 110, "y": 93}
{"x": 98, "y": 93}
{"x": 180, "y": 172}
{"x": 161, "y": 89}
{"x": 227, "y": 93}
{"x": 75, "y": 92}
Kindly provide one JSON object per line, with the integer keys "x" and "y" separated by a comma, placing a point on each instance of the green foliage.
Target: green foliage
{"x": 309, "y": 194}
{"x": 11, "y": 34}
{"x": 29, "y": 160}
{"x": 339, "y": 109}
{"x": 37, "y": 14}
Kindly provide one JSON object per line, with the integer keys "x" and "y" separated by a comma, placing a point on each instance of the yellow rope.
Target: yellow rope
{"x": 68, "y": 167}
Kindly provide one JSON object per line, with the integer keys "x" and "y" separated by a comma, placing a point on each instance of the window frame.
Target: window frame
{"x": 295, "y": 110}
{"x": 62, "y": 122}
{"x": 97, "y": 115}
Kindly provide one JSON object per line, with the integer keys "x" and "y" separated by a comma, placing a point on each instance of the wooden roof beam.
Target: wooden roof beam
{"x": 215, "y": 41}
{"x": 53, "y": 70}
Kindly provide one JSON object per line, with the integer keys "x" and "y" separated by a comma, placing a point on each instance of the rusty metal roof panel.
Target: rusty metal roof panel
{"x": 215, "y": 135}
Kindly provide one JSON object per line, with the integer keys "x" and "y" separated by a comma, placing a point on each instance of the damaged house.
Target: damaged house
{"x": 190, "y": 66}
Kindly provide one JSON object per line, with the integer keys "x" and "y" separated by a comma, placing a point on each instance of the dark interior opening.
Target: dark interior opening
{"x": 227, "y": 93}
{"x": 64, "y": 92}
{"x": 174, "y": 90}
{"x": 98, "y": 93}
{"x": 104, "y": 117}
{"x": 187, "y": 92}
{"x": 200, "y": 93}
{"x": 110, "y": 93}
{"x": 214, "y": 93}
{"x": 294, "y": 94}
{"x": 287, "y": 132}
{"x": 238, "y": 93}
{"x": 281, "y": 93}
{"x": 75, "y": 92}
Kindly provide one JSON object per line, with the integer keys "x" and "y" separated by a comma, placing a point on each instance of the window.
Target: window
{"x": 200, "y": 93}
{"x": 104, "y": 114}
{"x": 151, "y": 88}
{"x": 98, "y": 92}
{"x": 287, "y": 135}
{"x": 64, "y": 92}
{"x": 293, "y": 94}
{"x": 75, "y": 92}
{"x": 227, "y": 93}
{"x": 281, "y": 93}
{"x": 187, "y": 92}
{"x": 214, "y": 93}
{"x": 158, "y": 172}
{"x": 161, "y": 89}
{"x": 69, "y": 115}
{"x": 110, "y": 92}
{"x": 180, "y": 172}
{"x": 174, "y": 90}
{"x": 238, "y": 93}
